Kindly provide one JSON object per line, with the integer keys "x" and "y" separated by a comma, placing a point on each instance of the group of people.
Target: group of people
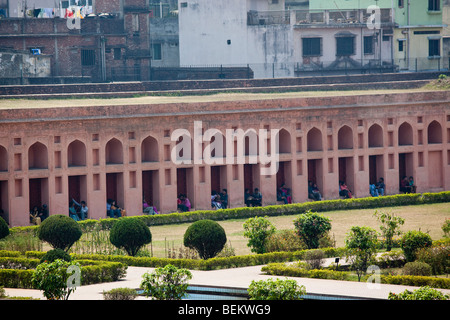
{"x": 113, "y": 210}
{"x": 219, "y": 200}
{"x": 183, "y": 203}
{"x": 78, "y": 211}
{"x": 344, "y": 191}
{"x": 148, "y": 209}
{"x": 407, "y": 185}
{"x": 284, "y": 194}
{"x": 313, "y": 191}
{"x": 38, "y": 214}
{"x": 254, "y": 199}
{"x": 377, "y": 189}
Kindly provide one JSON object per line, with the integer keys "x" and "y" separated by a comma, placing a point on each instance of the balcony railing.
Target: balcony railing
{"x": 305, "y": 18}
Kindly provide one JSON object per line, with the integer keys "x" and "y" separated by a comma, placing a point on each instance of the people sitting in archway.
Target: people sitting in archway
{"x": 378, "y": 188}
{"x": 73, "y": 211}
{"x": 112, "y": 210}
{"x": 248, "y": 198}
{"x": 215, "y": 200}
{"x": 404, "y": 185}
{"x": 253, "y": 200}
{"x": 284, "y": 194}
{"x": 122, "y": 212}
{"x": 34, "y": 216}
{"x": 224, "y": 198}
{"x": 407, "y": 185}
{"x": 412, "y": 186}
{"x": 184, "y": 204}
{"x": 148, "y": 209}
{"x": 257, "y": 198}
{"x": 381, "y": 187}
{"x": 313, "y": 192}
{"x": 82, "y": 209}
{"x": 344, "y": 191}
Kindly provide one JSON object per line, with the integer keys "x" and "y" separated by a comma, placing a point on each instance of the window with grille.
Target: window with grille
{"x": 434, "y": 47}
{"x": 87, "y": 57}
{"x": 434, "y": 5}
{"x": 157, "y": 51}
{"x": 368, "y": 45}
{"x": 312, "y": 47}
{"x": 345, "y": 46}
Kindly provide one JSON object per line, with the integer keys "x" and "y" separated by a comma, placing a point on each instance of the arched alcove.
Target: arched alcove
{"x": 76, "y": 154}
{"x": 375, "y": 136}
{"x": 149, "y": 150}
{"x": 114, "y": 152}
{"x": 405, "y": 134}
{"x": 284, "y": 141}
{"x": 3, "y": 159}
{"x": 38, "y": 156}
{"x": 314, "y": 140}
{"x": 434, "y": 132}
{"x": 345, "y": 138}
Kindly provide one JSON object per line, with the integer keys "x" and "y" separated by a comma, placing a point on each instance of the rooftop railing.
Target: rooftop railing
{"x": 301, "y": 18}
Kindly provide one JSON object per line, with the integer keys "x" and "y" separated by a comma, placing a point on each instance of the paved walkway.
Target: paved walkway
{"x": 237, "y": 277}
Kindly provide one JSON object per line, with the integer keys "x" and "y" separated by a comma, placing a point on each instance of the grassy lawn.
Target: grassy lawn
{"x": 428, "y": 218}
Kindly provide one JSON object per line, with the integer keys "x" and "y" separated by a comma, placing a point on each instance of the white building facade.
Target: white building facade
{"x": 275, "y": 42}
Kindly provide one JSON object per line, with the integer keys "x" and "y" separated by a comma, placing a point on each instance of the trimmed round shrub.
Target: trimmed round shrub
{"x": 412, "y": 241}
{"x": 130, "y": 235}
{"x": 54, "y": 254}
{"x": 60, "y": 231}
{"x": 4, "y": 229}
{"x": 207, "y": 237}
{"x": 417, "y": 268}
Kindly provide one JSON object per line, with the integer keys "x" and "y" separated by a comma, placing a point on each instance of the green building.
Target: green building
{"x": 419, "y": 33}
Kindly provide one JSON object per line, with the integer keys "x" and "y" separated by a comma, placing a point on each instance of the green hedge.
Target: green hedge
{"x": 210, "y": 264}
{"x": 16, "y": 272}
{"x": 417, "y": 281}
{"x": 281, "y": 269}
{"x": 13, "y": 278}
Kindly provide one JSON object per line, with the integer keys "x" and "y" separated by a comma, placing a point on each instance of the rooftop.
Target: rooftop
{"x": 35, "y": 103}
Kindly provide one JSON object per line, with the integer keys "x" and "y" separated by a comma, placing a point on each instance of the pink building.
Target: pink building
{"x": 53, "y": 151}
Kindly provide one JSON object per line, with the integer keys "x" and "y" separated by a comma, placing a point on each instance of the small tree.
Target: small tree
{"x": 423, "y": 293}
{"x": 412, "y": 241}
{"x": 312, "y": 226}
{"x": 168, "y": 283}
{"x": 60, "y": 231}
{"x": 258, "y": 230}
{"x": 4, "y": 229}
{"x": 54, "y": 279}
{"x": 207, "y": 237}
{"x": 361, "y": 245}
{"x": 130, "y": 234}
{"x": 390, "y": 225}
{"x": 277, "y": 289}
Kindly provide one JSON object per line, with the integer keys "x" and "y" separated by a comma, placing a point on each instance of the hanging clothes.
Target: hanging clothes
{"x": 36, "y": 13}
